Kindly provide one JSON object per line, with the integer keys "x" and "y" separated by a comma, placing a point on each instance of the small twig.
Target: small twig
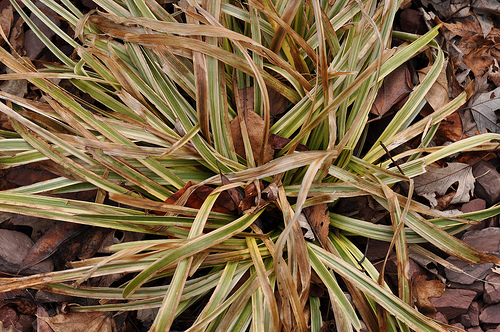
{"x": 360, "y": 262}
{"x": 389, "y": 154}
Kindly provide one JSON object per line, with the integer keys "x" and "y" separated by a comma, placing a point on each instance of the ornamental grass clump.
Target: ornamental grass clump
{"x": 226, "y": 131}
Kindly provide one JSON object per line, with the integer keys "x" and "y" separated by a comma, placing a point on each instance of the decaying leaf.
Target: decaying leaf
{"x": 438, "y": 94}
{"x": 94, "y": 237}
{"x": 480, "y": 58}
{"x": 251, "y": 194}
{"x": 6, "y": 21}
{"x": 477, "y": 47}
{"x": 319, "y": 219}
{"x": 255, "y": 128}
{"x": 279, "y": 142}
{"x": 223, "y": 204}
{"x": 437, "y": 181}
{"x": 486, "y": 111}
{"x": 16, "y": 37}
{"x": 82, "y": 321}
{"x": 444, "y": 201}
{"x": 14, "y": 246}
{"x": 395, "y": 88}
{"x": 465, "y": 29}
{"x": 423, "y": 289}
{"x": 234, "y": 193}
{"x": 279, "y": 103}
{"x": 50, "y": 242}
{"x": 450, "y": 130}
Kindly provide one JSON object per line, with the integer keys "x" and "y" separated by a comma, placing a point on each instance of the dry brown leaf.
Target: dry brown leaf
{"x": 251, "y": 194}
{"x": 81, "y": 321}
{"x": 16, "y": 38}
{"x": 439, "y": 180}
{"x": 480, "y": 52}
{"x": 279, "y": 142}
{"x": 279, "y": 103}
{"x": 93, "y": 241}
{"x": 255, "y": 127}
{"x": 234, "y": 193}
{"x": 6, "y": 22}
{"x": 479, "y": 60}
{"x": 438, "y": 94}
{"x": 396, "y": 87}
{"x": 50, "y": 242}
{"x": 319, "y": 219}
{"x": 223, "y": 204}
{"x": 450, "y": 130}
{"x": 14, "y": 246}
{"x": 444, "y": 201}
{"x": 464, "y": 29}
{"x": 423, "y": 289}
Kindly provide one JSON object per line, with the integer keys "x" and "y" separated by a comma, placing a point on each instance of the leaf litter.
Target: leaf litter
{"x": 437, "y": 181}
{"x": 486, "y": 111}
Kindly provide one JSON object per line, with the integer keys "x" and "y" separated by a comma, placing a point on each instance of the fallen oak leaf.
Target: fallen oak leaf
{"x": 479, "y": 59}
{"x": 439, "y": 180}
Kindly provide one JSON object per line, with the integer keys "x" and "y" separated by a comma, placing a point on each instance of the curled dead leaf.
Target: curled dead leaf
{"x": 50, "y": 242}
{"x": 422, "y": 290}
